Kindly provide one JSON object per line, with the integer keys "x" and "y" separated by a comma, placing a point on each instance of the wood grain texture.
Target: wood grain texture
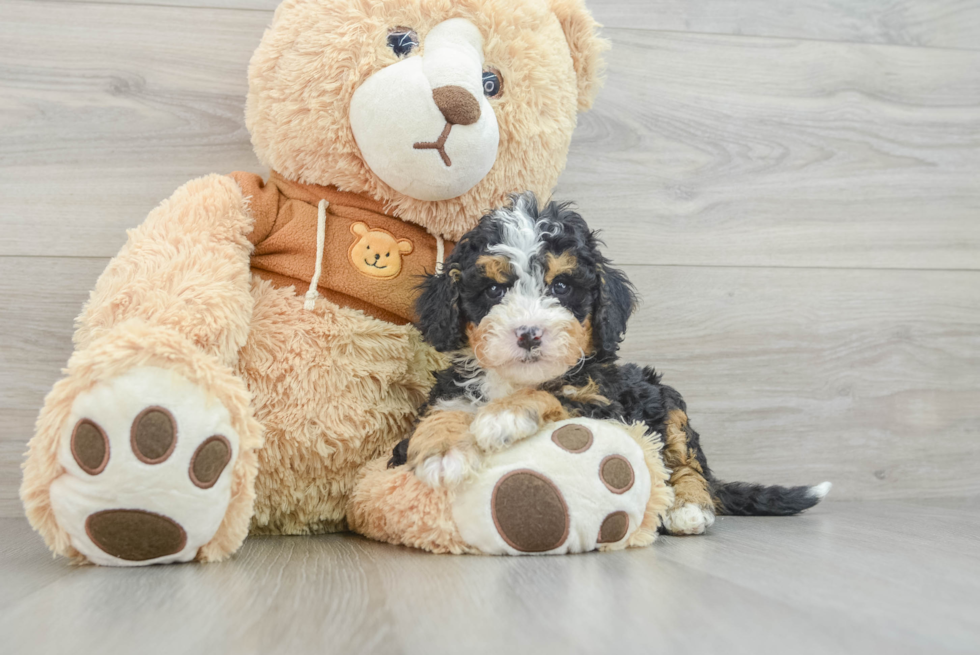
{"x": 866, "y": 378}
{"x": 929, "y": 23}
{"x": 715, "y": 150}
{"x": 708, "y": 150}
{"x": 844, "y": 578}
{"x": 923, "y": 23}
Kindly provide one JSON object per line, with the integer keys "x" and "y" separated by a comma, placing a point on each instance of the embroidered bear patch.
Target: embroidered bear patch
{"x": 377, "y": 253}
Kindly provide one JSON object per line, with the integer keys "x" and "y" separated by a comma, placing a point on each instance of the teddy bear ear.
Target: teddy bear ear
{"x": 581, "y": 32}
{"x": 405, "y": 246}
{"x": 359, "y": 229}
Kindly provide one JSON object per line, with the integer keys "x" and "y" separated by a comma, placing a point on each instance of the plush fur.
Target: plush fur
{"x": 141, "y": 313}
{"x": 529, "y": 270}
{"x": 331, "y": 388}
{"x": 395, "y": 505}
{"x": 315, "y": 55}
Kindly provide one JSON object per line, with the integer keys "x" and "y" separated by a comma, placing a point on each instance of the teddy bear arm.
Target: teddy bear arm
{"x": 151, "y": 396}
{"x": 185, "y": 268}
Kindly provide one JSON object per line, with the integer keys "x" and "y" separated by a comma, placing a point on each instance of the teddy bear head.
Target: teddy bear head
{"x": 377, "y": 253}
{"x": 437, "y": 108}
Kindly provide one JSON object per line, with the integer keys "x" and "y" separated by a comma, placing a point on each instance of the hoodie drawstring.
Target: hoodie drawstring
{"x": 321, "y": 233}
{"x": 440, "y": 253}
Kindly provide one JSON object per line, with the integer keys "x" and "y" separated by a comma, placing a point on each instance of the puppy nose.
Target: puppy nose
{"x": 457, "y": 105}
{"x": 528, "y": 337}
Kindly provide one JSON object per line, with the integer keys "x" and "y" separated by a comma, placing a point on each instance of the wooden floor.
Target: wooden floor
{"x": 793, "y": 185}
{"x": 865, "y": 577}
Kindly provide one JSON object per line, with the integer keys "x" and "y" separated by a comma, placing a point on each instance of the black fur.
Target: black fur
{"x": 602, "y": 294}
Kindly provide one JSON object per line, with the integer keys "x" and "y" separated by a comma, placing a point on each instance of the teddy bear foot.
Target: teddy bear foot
{"x": 688, "y": 518}
{"x": 148, "y": 460}
{"x": 577, "y": 485}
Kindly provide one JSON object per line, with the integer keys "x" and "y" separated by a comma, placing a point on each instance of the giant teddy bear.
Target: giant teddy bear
{"x": 250, "y": 348}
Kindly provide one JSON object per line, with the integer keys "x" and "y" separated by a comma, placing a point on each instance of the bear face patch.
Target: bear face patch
{"x": 377, "y": 253}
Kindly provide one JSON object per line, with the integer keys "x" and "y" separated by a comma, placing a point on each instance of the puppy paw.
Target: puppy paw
{"x": 688, "y": 518}
{"x": 496, "y": 430}
{"x": 448, "y": 469}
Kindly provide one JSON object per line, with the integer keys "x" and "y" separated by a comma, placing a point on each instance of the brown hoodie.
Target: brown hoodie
{"x": 372, "y": 261}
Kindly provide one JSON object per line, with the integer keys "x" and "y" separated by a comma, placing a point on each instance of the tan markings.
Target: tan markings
{"x": 540, "y": 404}
{"x": 437, "y": 434}
{"x": 495, "y": 267}
{"x": 476, "y": 337}
{"x": 563, "y": 263}
{"x": 686, "y": 476}
{"x": 588, "y": 393}
{"x": 574, "y": 341}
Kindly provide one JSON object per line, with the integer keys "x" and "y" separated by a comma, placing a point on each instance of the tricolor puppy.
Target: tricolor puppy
{"x": 534, "y": 314}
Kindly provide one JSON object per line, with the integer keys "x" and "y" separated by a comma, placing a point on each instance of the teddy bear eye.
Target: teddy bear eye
{"x": 493, "y": 83}
{"x": 402, "y": 41}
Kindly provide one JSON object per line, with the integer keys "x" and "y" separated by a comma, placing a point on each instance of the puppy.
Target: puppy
{"x": 533, "y": 315}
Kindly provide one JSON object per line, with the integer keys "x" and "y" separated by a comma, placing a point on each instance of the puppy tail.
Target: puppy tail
{"x": 747, "y": 499}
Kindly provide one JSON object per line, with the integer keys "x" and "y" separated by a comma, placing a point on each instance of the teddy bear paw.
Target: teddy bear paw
{"x": 688, "y": 518}
{"x": 495, "y": 431}
{"x": 448, "y": 469}
{"x": 573, "y": 486}
{"x": 147, "y": 459}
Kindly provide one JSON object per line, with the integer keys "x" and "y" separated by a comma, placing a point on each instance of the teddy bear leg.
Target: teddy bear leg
{"x": 693, "y": 509}
{"x": 145, "y": 452}
{"x": 574, "y": 486}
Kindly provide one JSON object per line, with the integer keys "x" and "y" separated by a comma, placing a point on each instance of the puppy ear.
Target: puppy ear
{"x": 615, "y": 303}
{"x": 438, "y": 310}
{"x": 586, "y": 46}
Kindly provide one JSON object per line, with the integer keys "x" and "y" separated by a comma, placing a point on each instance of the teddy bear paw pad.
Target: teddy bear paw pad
{"x": 529, "y": 512}
{"x": 569, "y": 488}
{"x": 147, "y": 460}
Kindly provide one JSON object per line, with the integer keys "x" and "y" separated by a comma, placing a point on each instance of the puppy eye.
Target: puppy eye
{"x": 560, "y": 289}
{"x": 402, "y": 41}
{"x": 493, "y": 83}
{"x": 495, "y": 291}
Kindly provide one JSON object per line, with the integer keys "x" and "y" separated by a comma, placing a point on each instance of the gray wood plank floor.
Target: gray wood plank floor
{"x": 863, "y": 577}
{"x": 794, "y": 185}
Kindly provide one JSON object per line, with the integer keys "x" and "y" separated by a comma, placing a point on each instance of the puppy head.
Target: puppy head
{"x": 529, "y": 292}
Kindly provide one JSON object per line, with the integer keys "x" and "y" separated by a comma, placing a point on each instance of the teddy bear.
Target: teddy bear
{"x": 250, "y": 349}
{"x": 577, "y": 485}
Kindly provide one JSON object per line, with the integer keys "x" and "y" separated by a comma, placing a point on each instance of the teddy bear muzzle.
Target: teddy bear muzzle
{"x": 440, "y": 138}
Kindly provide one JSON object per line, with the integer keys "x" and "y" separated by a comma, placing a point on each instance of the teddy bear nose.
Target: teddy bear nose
{"x": 377, "y": 256}
{"x": 457, "y": 105}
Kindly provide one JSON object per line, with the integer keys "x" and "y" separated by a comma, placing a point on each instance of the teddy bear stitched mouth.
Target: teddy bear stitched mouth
{"x": 374, "y": 265}
{"x": 438, "y": 145}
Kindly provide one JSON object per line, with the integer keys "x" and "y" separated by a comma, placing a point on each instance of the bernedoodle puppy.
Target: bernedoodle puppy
{"x": 533, "y": 315}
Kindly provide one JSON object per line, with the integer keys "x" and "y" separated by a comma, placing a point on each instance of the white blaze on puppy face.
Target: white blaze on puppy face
{"x": 527, "y": 305}
{"x": 394, "y": 110}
